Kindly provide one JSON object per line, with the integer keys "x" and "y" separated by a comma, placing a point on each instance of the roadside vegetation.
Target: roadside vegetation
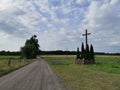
{"x": 104, "y": 75}
{"x": 11, "y": 63}
{"x": 31, "y": 48}
{"x": 27, "y": 55}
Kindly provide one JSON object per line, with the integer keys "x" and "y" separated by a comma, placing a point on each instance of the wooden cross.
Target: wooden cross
{"x": 86, "y": 36}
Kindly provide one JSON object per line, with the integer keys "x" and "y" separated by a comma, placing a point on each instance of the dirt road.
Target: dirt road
{"x": 35, "y": 76}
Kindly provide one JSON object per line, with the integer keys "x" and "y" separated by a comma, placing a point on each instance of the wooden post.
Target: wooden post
{"x": 9, "y": 62}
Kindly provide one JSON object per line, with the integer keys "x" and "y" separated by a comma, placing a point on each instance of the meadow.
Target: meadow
{"x": 104, "y": 75}
{"x": 11, "y": 63}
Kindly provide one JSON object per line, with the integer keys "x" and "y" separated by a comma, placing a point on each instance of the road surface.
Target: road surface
{"x": 35, "y": 76}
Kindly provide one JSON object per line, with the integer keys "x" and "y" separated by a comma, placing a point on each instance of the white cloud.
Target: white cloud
{"x": 102, "y": 21}
{"x": 114, "y": 1}
{"x": 5, "y": 4}
{"x": 59, "y": 23}
{"x": 80, "y": 1}
{"x": 9, "y": 42}
{"x": 114, "y": 43}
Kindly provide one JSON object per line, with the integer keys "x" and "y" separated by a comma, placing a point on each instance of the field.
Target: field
{"x": 104, "y": 75}
{"x": 11, "y": 63}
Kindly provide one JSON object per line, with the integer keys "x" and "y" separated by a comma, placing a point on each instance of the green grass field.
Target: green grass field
{"x": 104, "y": 75}
{"x": 11, "y": 63}
{"x": 9, "y": 57}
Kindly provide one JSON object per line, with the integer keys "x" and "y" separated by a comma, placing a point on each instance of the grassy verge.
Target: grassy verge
{"x": 11, "y": 63}
{"x": 105, "y": 75}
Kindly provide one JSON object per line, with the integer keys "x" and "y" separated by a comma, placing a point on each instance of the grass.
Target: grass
{"x": 110, "y": 64}
{"x": 9, "y": 57}
{"x": 104, "y": 75}
{"x": 11, "y": 63}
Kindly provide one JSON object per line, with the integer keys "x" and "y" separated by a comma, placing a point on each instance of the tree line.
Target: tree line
{"x": 56, "y": 52}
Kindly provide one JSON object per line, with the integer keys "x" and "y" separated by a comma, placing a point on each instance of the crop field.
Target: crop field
{"x": 104, "y": 75}
{"x": 11, "y": 63}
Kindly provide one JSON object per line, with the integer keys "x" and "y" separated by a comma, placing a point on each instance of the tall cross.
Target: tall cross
{"x": 86, "y": 36}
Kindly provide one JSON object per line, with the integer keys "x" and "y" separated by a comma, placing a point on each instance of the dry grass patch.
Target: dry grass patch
{"x": 15, "y": 63}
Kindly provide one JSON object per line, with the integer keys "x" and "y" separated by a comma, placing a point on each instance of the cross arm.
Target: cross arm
{"x": 86, "y": 34}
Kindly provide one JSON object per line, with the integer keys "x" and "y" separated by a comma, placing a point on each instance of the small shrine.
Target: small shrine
{"x": 86, "y": 56}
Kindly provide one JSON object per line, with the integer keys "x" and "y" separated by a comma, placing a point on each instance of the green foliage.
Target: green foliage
{"x": 82, "y": 50}
{"x": 27, "y": 51}
{"x": 92, "y": 53}
{"x": 88, "y": 53}
{"x": 31, "y": 48}
{"x": 78, "y": 53}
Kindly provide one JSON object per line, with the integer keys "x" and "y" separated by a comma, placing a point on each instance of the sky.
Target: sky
{"x": 59, "y": 24}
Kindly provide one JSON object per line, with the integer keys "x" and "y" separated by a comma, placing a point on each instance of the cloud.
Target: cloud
{"x": 59, "y": 24}
{"x": 102, "y": 19}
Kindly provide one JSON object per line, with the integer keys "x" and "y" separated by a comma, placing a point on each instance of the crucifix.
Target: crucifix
{"x": 86, "y": 36}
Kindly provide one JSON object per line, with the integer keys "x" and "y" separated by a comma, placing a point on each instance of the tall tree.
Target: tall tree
{"x": 31, "y": 48}
{"x": 78, "y": 53}
{"x": 91, "y": 52}
{"x": 87, "y": 54}
{"x": 82, "y": 51}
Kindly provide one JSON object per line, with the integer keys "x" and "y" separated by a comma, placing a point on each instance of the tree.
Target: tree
{"x": 92, "y": 53}
{"x": 31, "y": 48}
{"x": 78, "y": 53}
{"x": 87, "y": 54}
{"x": 82, "y": 51}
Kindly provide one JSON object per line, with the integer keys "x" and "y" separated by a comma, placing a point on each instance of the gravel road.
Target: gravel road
{"x": 35, "y": 76}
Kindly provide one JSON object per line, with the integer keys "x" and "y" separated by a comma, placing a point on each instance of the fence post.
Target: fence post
{"x": 9, "y": 62}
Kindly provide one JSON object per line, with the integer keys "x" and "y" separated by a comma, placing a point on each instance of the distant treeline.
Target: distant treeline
{"x": 57, "y": 52}
{"x": 102, "y": 53}
{"x": 10, "y": 53}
